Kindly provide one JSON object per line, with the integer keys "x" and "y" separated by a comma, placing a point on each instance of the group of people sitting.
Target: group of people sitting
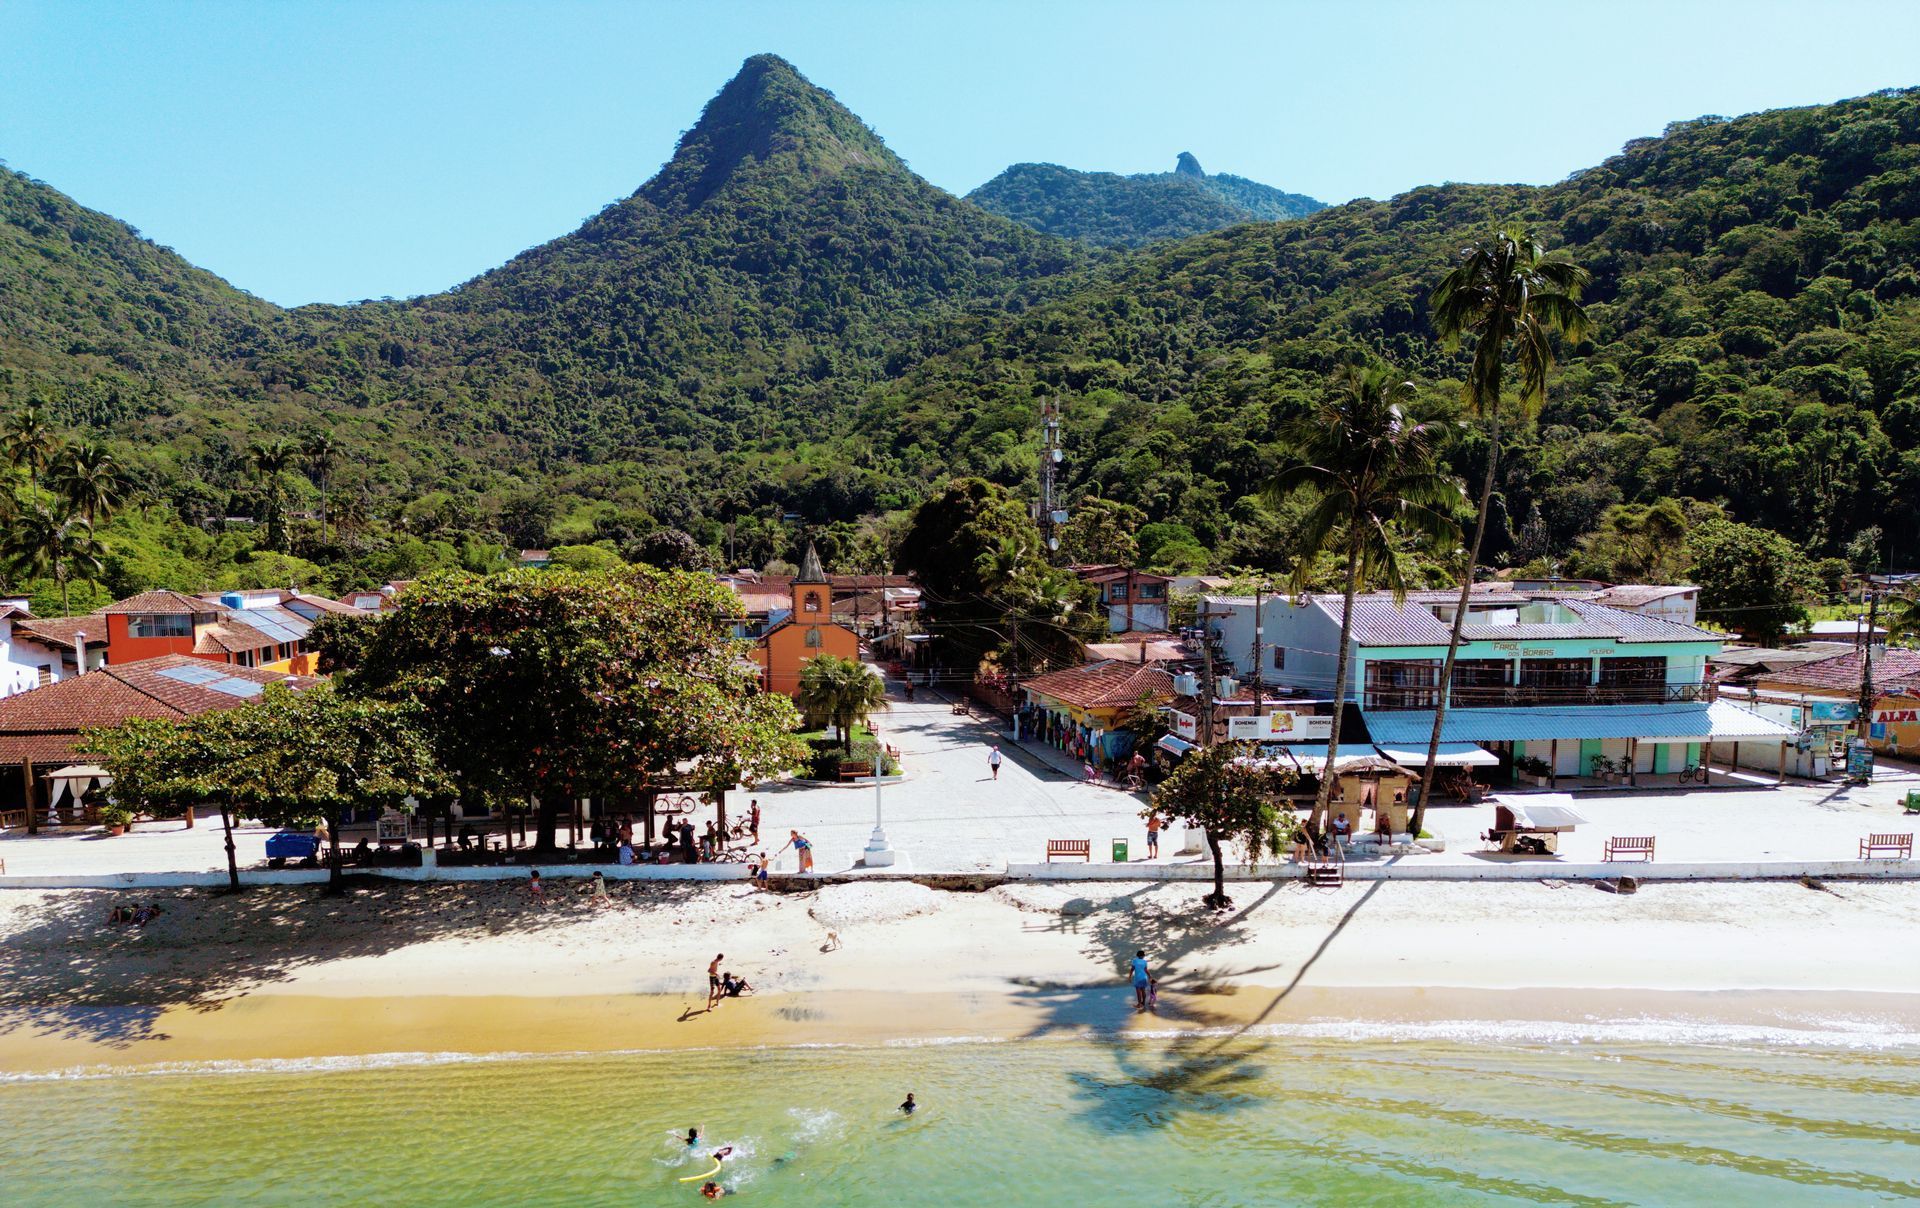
{"x": 137, "y": 914}
{"x": 682, "y": 844}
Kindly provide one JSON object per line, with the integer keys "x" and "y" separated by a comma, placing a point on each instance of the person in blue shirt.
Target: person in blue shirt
{"x": 1140, "y": 979}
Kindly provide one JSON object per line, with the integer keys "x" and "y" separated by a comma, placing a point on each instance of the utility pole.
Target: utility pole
{"x": 1206, "y": 677}
{"x": 1863, "y": 724}
{"x": 1259, "y": 631}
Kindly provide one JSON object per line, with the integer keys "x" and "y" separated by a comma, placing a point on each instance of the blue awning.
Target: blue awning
{"x": 1692, "y": 721}
{"x": 1173, "y": 744}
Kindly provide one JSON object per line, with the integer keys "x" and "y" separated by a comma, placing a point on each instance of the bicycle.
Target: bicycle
{"x": 1693, "y": 772}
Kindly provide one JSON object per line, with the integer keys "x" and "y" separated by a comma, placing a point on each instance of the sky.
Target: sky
{"x": 327, "y": 152}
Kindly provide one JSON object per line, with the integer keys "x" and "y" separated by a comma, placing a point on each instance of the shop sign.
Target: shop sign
{"x": 1833, "y": 710}
{"x": 1281, "y": 726}
{"x": 1185, "y": 725}
{"x": 1896, "y": 717}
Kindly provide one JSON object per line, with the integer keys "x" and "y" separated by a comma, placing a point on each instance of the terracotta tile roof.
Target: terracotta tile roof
{"x": 230, "y": 637}
{"x": 1891, "y": 668}
{"x": 1104, "y": 685}
{"x": 173, "y": 603}
{"x": 45, "y": 723}
{"x": 61, "y": 631}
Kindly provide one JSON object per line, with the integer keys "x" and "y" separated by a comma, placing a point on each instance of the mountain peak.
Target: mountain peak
{"x": 767, "y": 116}
{"x": 1187, "y": 165}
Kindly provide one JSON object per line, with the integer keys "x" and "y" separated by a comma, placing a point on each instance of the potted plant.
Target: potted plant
{"x": 1535, "y": 769}
{"x": 116, "y": 818}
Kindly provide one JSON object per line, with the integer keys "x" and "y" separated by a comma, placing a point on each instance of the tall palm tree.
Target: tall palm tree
{"x": 321, "y": 451}
{"x": 841, "y": 690}
{"x": 1903, "y": 618}
{"x": 40, "y": 545}
{"x": 91, "y": 481}
{"x": 1505, "y": 292}
{"x": 269, "y": 460}
{"x": 27, "y": 439}
{"x": 1377, "y": 473}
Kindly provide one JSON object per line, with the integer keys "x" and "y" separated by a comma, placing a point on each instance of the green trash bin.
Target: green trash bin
{"x": 1119, "y": 851}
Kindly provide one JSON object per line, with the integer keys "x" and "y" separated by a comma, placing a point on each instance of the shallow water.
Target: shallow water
{"x": 1205, "y": 1121}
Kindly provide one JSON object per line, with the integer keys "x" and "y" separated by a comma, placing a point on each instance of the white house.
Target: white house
{"x": 36, "y": 652}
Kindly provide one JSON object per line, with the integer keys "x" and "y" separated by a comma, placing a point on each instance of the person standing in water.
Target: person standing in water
{"x": 909, "y": 1105}
{"x": 1141, "y": 979}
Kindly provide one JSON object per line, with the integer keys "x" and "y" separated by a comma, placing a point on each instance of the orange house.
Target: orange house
{"x": 806, "y": 633}
{"x": 266, "y": 630}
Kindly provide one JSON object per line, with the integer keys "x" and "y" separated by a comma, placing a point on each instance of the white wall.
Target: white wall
{"x": 1310, "y": 636}
{"x": 21, "y": 661}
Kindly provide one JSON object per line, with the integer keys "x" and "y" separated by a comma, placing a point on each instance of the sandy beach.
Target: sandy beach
{"x": 470, "y": 969}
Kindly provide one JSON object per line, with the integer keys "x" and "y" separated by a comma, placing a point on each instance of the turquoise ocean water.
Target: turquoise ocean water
{"x": 1206, "y": 1121}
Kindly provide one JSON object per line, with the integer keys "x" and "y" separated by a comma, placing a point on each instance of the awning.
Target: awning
{"x": 1452, "y": 755}
{"x": 1691, "y": 721}
{"x": 1312, "y": 756}
{"x": 1538, "y": 814}
{"x": 1173, "y": 744}
{"x": 80, "y": 777}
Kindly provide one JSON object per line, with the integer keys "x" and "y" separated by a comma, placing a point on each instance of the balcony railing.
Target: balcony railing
{"x": 1503, "y": 696}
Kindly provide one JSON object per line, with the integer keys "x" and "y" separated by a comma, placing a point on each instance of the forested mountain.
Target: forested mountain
{"x": 787, "y": 320}
{"x": 1110, "y": 210}
{"x": 1757, "y": 343}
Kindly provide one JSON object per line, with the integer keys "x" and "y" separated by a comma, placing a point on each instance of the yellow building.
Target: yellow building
{"x": 804, "y": 634}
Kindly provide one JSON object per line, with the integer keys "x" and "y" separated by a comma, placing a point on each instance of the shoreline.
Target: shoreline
{"x": 269, "y": 1031}
{"x": 484, "y": 970}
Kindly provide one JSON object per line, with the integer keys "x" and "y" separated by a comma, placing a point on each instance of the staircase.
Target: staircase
{"x": 1328, "y": 871}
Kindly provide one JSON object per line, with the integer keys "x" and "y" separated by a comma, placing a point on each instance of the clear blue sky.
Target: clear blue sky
{"x": 328, "y": 152}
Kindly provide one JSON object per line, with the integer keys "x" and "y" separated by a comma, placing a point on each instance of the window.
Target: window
{"x": 811, "y": 603}
{"x": 1403, "y": 684}
{"x": 1634, "y": 680}
{"x": 1117, "y": 593}
{"x": 1481, "y": 682}
{"x": 1279, "y": 658}
{"x": 1149, "y": 591}
{"x": 46, "y": 676}
{"x": 160, "y": 625}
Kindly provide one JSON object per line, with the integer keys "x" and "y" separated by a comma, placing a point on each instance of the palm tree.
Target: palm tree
{"x": 1903, "y": 618}
{"x": 27, "y": 440}
{"x": 269, "y": 460}
{"x": 321, "y": 450}
{"x": 1506, "y": 290}
{"x": 1376, "y": 471}
{"x": 841, "y": 690}
{"x": 40, "y": 545}
{"x": 91, "y": 481}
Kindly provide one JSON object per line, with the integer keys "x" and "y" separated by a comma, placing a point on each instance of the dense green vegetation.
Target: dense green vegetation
{"x": 1110, "y": 210}
{"x": 787, "y": 335}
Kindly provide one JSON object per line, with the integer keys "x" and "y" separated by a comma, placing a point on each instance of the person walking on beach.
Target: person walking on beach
{"x": 753, "y": 821}
{"x": 1142, "y": 980}
{"x": 993, "y": 760}
{"x": 1153, "y": 836}
{"x": 598, "y": 890}
{"x": 715, "y": 990}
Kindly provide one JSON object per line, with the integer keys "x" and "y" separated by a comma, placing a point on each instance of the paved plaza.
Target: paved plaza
{"x": 949, "y": 814}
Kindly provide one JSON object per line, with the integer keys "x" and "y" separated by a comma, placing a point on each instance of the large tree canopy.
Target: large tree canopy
{"x": 560, "y": 684}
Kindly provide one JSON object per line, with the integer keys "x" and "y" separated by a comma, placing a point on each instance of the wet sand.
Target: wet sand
{"x": 462, "y": 969}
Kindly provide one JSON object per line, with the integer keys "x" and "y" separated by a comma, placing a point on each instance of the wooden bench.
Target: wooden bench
{"x": 855, "y": 771}
{"x": 10, "y": 818}
{"x": 1895, "y": 847}
{"x": 1628, "y": 845}
{"x": 1083, "y": 848}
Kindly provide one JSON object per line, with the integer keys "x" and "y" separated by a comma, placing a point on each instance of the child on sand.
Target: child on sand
{"x": 533, "y": 886}
{"x": 598, "y": 891}
{"x": 1153, "y": 993}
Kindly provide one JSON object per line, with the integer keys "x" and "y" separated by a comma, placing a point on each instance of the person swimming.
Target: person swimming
{"x": 909, "y": 1105}
{"x": 712, "y": 1190}
{"x": 693, "y": 1137}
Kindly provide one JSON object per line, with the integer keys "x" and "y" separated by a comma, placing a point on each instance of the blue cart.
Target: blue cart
{"x": 303, "y": 846}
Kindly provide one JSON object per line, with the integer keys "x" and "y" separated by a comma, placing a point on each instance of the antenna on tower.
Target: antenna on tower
{"x": 1048, "y": 512}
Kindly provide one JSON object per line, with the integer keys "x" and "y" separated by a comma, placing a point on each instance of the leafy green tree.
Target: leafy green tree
{"x": 1374, "y": 472}
{"x": 166, "y": 767}
{"x": 987, "y": 586}
{"x": 842, "y": 691}
{"x": 561, "y": 684}
{"x": 670, "y": 549}
{"x": 1638, "y": 542}
{"x": 1751, "y": 580}
{"x": 1511, "y": 297}
{"x": 1234, "y": 802}
{"x": 1103, "y": 531}
{"x": 1903, "y": 618}
{"x": 586, "y": 558}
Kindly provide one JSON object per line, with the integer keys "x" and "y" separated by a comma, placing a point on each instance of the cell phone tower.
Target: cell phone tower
{"x": 1048, "y": 512}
